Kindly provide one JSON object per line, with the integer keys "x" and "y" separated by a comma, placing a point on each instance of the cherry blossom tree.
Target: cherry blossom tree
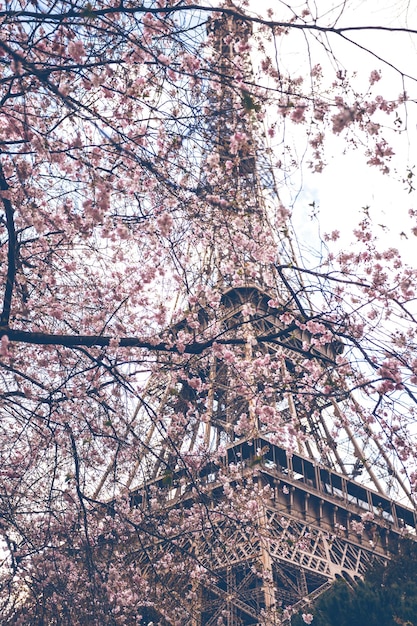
{"x": 141, "y": 173}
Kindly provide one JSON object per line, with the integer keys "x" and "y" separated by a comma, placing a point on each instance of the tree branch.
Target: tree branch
{"x": 91, "y": 13}
{"x": 11, "y": 251}
{"x": 196, "y": 347}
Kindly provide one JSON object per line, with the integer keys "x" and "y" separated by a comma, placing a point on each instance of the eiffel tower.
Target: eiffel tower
{"x": 273, "y": 497}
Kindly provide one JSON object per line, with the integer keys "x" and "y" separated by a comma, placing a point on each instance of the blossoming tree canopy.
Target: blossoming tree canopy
{"x": 141, "y": 168}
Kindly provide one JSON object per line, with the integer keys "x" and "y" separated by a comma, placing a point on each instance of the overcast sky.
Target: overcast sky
{"x": 348, "y": 183}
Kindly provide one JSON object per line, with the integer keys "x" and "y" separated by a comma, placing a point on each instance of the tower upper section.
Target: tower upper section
{"x": 233, "y": 109}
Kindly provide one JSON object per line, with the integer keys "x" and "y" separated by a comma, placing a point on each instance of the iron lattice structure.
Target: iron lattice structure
{"x": 323, "y": 507}
{"x": 313, "y": 520}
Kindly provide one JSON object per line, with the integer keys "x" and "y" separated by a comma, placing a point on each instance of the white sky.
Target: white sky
{"x": 348, "y": 183}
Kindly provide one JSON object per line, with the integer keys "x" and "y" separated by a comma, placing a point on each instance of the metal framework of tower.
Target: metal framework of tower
{"x": 324, "y": 510}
